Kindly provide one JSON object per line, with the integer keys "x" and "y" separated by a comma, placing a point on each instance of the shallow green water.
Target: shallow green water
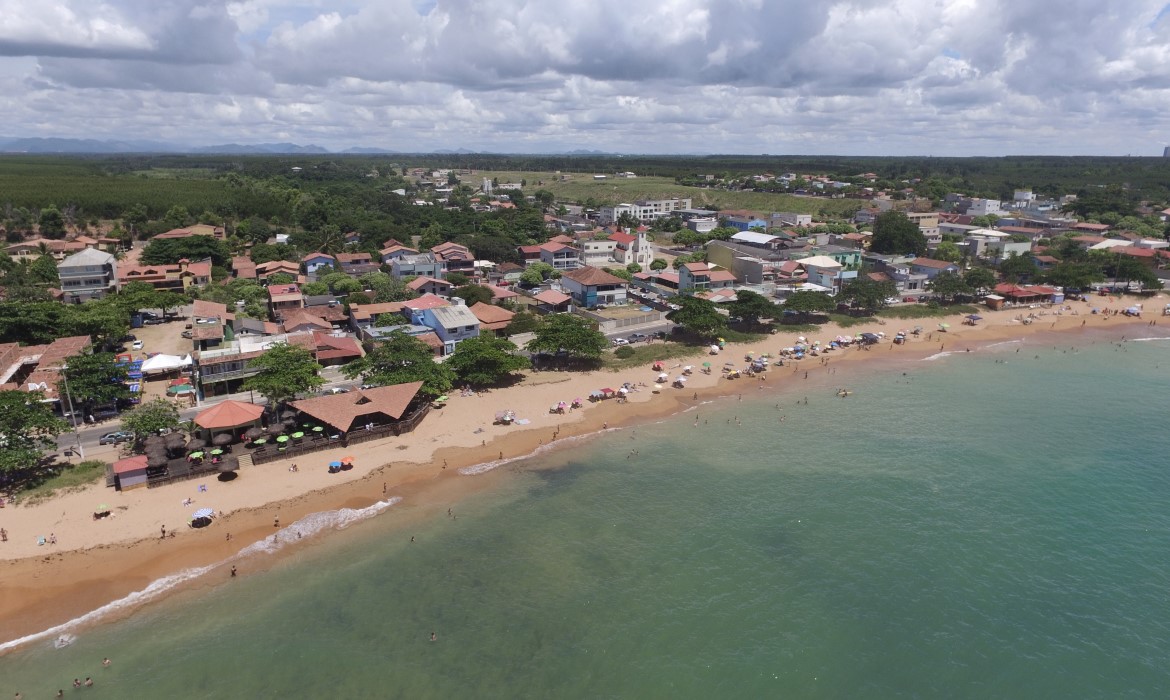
{"x": 974, "y": 529}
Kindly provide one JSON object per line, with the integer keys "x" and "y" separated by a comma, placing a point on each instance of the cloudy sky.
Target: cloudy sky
{"x": 864, "y": 77}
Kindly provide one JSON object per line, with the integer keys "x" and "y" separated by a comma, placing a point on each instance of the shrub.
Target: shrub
{"x": 624, "y": 352}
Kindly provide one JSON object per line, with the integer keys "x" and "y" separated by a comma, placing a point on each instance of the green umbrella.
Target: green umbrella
{"x": 298, "y": 435}
{"x": 217, "y": 451}
{"x": 261, "y": 441}
{"x": 442, "y": 398}
{"x": 706, "y": 364}
{"x": 282, "y": 438}
{"x": 196, "y": 455}
{"x": 317, "y": 428}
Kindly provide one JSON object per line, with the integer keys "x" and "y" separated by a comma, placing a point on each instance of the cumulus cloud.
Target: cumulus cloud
{"x": 849, "y": 76}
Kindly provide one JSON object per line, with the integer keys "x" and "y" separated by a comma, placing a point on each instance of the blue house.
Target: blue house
{"x": 316, "y": 261}
{"x": 453, "y": 324}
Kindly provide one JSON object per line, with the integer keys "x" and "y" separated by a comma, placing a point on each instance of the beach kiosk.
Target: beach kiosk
{"x": 130, "y": 473}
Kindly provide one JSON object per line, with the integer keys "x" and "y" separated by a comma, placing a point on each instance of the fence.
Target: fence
{"x": 608, "y": 325}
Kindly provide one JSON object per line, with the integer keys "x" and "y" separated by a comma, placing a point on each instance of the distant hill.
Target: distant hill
{"x": 368, "y": 151}
{"x": 236, "y": 148}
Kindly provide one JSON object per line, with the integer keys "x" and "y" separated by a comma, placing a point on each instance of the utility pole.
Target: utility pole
{"x": 72, "y": 413}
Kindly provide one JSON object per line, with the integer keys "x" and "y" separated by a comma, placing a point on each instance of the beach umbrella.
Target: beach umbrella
{"x": 335, "y": 464}
{"x": 317, "y": 429}
{"x": 174, "y": 441}
{"x": 196, "y": 444}
{"x": 203, "y": 513}
{"x": 944, "y": 326}
{"x": 216, "y": 452}
{"x": 974, "y": 317}
{"x": 254, "y": 433}
{"x": 276, "y": 429}
{"x": 348, "y": 459}
{"x": 196, "y": 455}
{"x": 200, "y": 522}
{"x": 657, "y": 387}
{"x": 282, "y": 438}
{"x": 260, "y": 441}
{"x": 156, "y": 460}
{"x": 706, "y": 364}
{"x": 289, "y": 423}
{"x": 298, "y": 435}
{"x": 223, "y": 439}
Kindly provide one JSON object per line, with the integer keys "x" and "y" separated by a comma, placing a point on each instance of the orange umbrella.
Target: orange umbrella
{"x": 347, "y": 460}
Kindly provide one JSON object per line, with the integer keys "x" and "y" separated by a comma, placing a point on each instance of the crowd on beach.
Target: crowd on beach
{"x": 466, "y": 431}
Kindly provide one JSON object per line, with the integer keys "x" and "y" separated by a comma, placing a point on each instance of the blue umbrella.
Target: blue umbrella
{"x": 203, "y": 513}
{"x": 335, "y": 464}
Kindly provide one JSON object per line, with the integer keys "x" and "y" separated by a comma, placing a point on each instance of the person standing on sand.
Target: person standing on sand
{"x": 3, "y": 535}
{"x": 233, "y": 571}
{"x": 276, "y": 522}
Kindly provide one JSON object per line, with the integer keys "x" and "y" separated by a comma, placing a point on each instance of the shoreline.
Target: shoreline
{"x": 50, "y": 587}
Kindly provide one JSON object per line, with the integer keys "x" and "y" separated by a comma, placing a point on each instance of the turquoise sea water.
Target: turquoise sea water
{"x": 990, "y": 525}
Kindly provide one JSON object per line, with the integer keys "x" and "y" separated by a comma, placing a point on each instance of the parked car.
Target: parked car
{"x": 620, "y": 341}
{"x": 335, "y": 390}
{"x": 186, "y": 334}
{"x": 635, "y": 337}
{"x": 116, "y": 438}
{"x": 137, "y": 345}
{"x": 127, "y": 339}
{"x": 153, "y": 321}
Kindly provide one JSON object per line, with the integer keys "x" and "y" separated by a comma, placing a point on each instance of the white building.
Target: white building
{"x": 644, "y": 209}
{"x": 90, "y": 274}
{"x": 983, "y": 207}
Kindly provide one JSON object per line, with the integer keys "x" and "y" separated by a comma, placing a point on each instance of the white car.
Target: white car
{"x": 620, "y": 341}
{"x": 137, "y": 345}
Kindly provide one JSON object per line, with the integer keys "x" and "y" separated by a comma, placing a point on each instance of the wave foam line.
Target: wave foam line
{"x": 937, "y": 355}
{"x": 1146, "y": 340}
{"x": 311, "y": 524}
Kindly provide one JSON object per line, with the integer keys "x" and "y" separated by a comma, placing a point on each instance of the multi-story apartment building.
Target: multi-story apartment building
{"x": 644, "y": 209}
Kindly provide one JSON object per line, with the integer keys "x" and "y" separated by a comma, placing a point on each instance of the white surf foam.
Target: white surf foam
{"x": 937, "y": 355}
{"x": 1006, "y": 342}
{"x": 1146, "y": 340}
{"x": 311, "y": 524}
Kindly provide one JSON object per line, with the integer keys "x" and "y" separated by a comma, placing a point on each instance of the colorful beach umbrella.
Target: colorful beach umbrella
{"x": 298, "y": 435}
{"x": 217, "y": 451}
{"x": 348, "y": 459}
{"x": 203, "y": 513}
{"x": 317, "y": 429}
{"x": 282, "y": 438}
{"x": 196, "y": 455}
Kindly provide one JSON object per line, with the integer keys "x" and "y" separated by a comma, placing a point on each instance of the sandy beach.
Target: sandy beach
{"x": 95, "y": 562}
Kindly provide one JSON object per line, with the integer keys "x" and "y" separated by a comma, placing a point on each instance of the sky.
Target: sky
{"x": 849, "y": 77}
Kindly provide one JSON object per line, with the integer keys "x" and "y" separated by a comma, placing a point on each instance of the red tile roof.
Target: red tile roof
{"x": 229, "y": 414}
{"x": 342, "y": 410}
{"x": 592, "y": 276}
{"x": 932, "y": 263}
{"x": 491, "y": 317}
{"x": 426, "y": 301}
{"x": 552, "y": 297}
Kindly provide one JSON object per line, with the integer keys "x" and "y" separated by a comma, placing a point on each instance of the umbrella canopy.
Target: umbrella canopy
{"x": 944, "y": 325}
{"x": 203, "y": 513}
{"x": 282, "y": 438}
{"x": 216, "y": 451}
{"x": 196, "y": 444}
{"x": 196, "y": 455}
{"x": 222, "y": 439}
{"x": 156, "y": 460}
{"x": 974, "y": 317}
{"x": 335, "y": 464}
{"x": 229, "y": 414}
{"x": 200, "y": 522}
{"x": 298, "y": 435}
{"x": 173, "y": 440}
{"x": 318, "y": 429}
{"x": 348, "y": 459}
{"x": 254, "y": 433}
{"x": 289, "y": 422}
{"x": 706, "y": 364}
{"x": 275, "y": 429}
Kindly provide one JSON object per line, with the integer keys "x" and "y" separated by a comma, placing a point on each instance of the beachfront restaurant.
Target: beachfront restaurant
{"x": 380, "y": 410}
{"x": 228, "y": 418}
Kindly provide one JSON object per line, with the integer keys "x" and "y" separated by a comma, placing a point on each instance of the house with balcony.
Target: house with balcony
{"x": 357, "y": 264}
{"x": 455, "y": 258}
{"x": 590, "y": 286}
{"x": 560, "y": 256}
{"x": 216, "y": 232}
{"x": 596, "y": 249}
{"x": 452, "y": 323}
{"x": 395, "y": 251}
{"x": 492, "y": 319}
{"x": 932, "y": 268}
{"x": 362, "y": 316}
{"x": 32, "y": 249}
{"x": 243, "y": 268}
{"x": 699, "y": 277}
{"x": 268, "y": 269}
{"x": 826, "y": 272}
{"x": 632, "y": 248}
{"x": 421, "y": 265}
{"x": 90, "y": 274}
{"x": 430, "y": 285}
{"x": 169, "y": 278}
{"x": 284, "y": 298}
{"x": 314, "y": 262}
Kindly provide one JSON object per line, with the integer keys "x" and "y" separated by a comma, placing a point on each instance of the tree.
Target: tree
{"x": 342, "y": 284}
{"x": 313, "y": 289}
{"x": 150, "y": 418}
{"x": 285, "y": 371}
{"x": 627, "y": 221}
{"x": 985, "y": 221}
{"x": 1015, "y": 267}
{"x": 486, "y": 360}
{"x": 135, "y": 217}
{"x": 698, "y": 317}
{"x": 868, "y": 295}
{"x": 751, "y": 307}
{"x": 621, "y": 273}
{"x": 177, "y": 217}
{"x": 948, "y": 285}
{"x": 458, "y": 279}
{"x": 895, "y": 234}
{"x": 1074, "y": 275}
{"x": 51, "y": 223}
{"x": 399, "y": 358}
{"x": 164, "y": 301}
{"x": 805, "y": 303}
{"x": 168, "y": 251}
{"x": 281, "y": 278}
{"x": 102, "y": 320}
{"x": 523, "y": 322}
{"x": 948, "y": 251}
{"x": 633, "y": 268}
{"x": 386, "y": 288}
{"x": 472, "y": 293}
{"x": 570, "y": 334}
{"x": 95, "y": 380}
{"x": 659, "y": 264}
{"x": 43, "y": 270}
{"x": 979, "y": 278}
{"x": 28, "y": 429}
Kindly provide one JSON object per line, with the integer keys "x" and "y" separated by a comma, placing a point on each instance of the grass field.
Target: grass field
{"x": 66, "y": 478}
{"x": 579, "y": 187}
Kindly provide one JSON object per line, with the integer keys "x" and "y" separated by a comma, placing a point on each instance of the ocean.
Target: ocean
{"x": 991, "y": 524}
